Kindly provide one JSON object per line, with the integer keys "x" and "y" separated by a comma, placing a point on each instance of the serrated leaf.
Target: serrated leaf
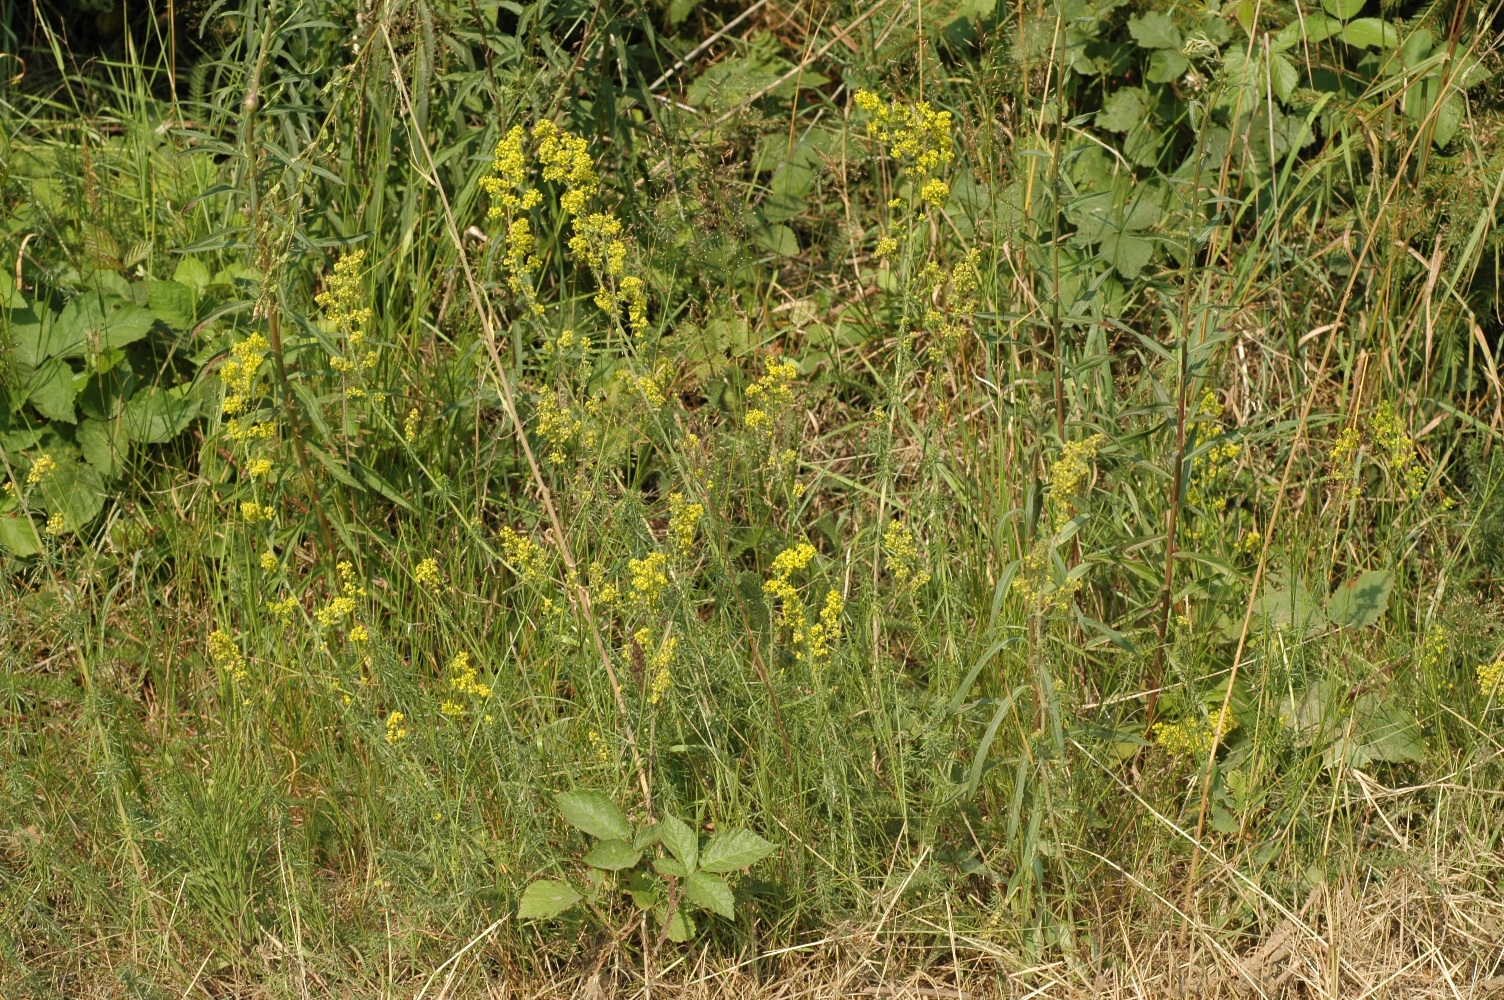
{"x": 18, "y": 534}
{"x": 104, "y": 446}
{"x": 172, "y": 302}
{"x": 1449, "y": 120}
{"x": 123, "y": 323}
{"x": 1345, "y": 9}
{"x": 681, "y": 841}
{"x": 1155, "y": 30}
{"x": 734, "y": 849}
{"x": 192, "y": 272}
{"x": 1359, "y": 602}
{"x": 668, "y": 866}
{"x": 1166, "y": 66}
{"x": 50, "y": 390}
{"x": 612, "y": 856}
{"x": 778, "y": 239}
{"x": 155, "y": 415}
{"x": 1123, "y": 109}
{"x": 595, "y": 814}
{"x": 1371, "y": 33}
{"x": 1128, "y": 254}
{"x": 546, "y": 899}
{"x": 1283, "y": 76}
{"x": 1312, "y": 30}
{"x": 74, "y": 490}
{"x": 710, "y": 892}
{"x": 681, "y": 926}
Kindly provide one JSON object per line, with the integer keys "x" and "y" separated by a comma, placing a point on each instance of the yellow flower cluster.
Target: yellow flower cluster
{"x": 773, "y": 390}
{"x": 958, "y": 290}
{"x": 244, "y": 430}
{"x": 259, "y": 468}
{"x": 566, "y": 159}
{"x": 254, "y": 512}
{"x": 1343, "y": 455}
{"x": 342, "y": 301}
{"x": 557, "y": 425}
{"x": 40, "y": 469}
{"x": 658, "y": 663}
{"x": 226, "y": 655}
{"x": 683, "y": 517}
{"x": 1191, "y": 736}
{"x": 1209, "y": 407}
{"x": 56, "y": 524}
{"x": 238, "y": 373}
{"x": 1491, "y": 676}
{"x": 507, "y": 184}
{"x": 426, "y": 574}
{"x": 1391, "y": 439}
{"x": 902, "y": 550}
{"x": 396, "y": 727}
{"x": 649, "y": 387}
{"x": 914, "y": 132}
{"x": 811, "y": 640}
{"x": 410, "y": 426}
{"x": 334, "y": 612}
{"x": 462, "y": 678}
{"x": 648, "y": 579}
{"x": 1202, "y": 491}
{"x": 1068, "y": 476}
{"x": 1435, "y": 648}
{"x": 284, "y": 608}
{"x": 268, "y": 561}
{"x": 525, "y": 556}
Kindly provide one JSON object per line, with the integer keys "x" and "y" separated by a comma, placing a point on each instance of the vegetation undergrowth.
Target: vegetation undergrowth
{"x": 493, "y": 489}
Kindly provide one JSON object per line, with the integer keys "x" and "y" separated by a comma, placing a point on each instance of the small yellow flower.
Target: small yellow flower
{"x": 396, "y": 728}
{"x": 226, "y": 654}
{"x": 886, "y": 247}
{"x": 359, "y": 634}
{"x": 259, "y": 467}
{"x": 268, "y": 561}
{"x": 56, "y": 524}
{"x": 648, "y": 579}
{"x": 1491, "y": 676}
{"x": 410, "y": 426}
{"x": 284, "y": 608}
{"x": 40, "y": 469}
{"x": 682, "y": 519}
{"x": 254, "y": 512}
{"x": 426, "y": 574}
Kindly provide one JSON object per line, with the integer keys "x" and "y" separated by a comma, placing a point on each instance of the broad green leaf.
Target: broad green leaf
{"x": 681, "y": 841}
{"x": 646, "y": 837}
{"x": 18, "y": 534}
{"x": 1290, "y": 608}
{"x": 1361, "y": 601}
{"x": 1123, "y": 109}
{"x": 29, "y": 334}
{"x": 1129, "y": 254}
{"x": 1449, "y": 120}
{"x": 1283, "y": 76}
{"x": 678, "y": 10}
{"x": 613, "y": 856}
{"x": 74, "y": 490}
{"x": 103, "y": 393}
{"x": 1166, "y": 66}
{"x": 546, "y": 898}
{"x": 155, "y": 415}
{"x": 681, "y": 926}
{"x": 1377, "y": 730}
{"x": 124, "y": 323}
{"x": 1310, "y": 30}
{"x": 104, "y": 446}
{"x": 50, "y": 390}
{"x": 668, "y": 866}
{"x": 734, "y": 849}
{"x": 1371, "y": 33}
{"x": 710, "y": 892}
{"x": 779, "y": 239}
{"x": 1345, "y": 9}
{"x": 1155, "y": 30}
{"x": 1417, "y": 47}
{"x": 595, "y": 814}
{"x": 172, "y": 302}
{"x": 192, "y": 273}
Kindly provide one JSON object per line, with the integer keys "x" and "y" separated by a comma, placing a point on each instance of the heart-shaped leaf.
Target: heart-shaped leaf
{"x": 546, "y": 898}
{"x": 734, "y": 849}
{"x": 710, "y": 892}
{"x": 613, "y": 855}
{"x": 594, "y": 813}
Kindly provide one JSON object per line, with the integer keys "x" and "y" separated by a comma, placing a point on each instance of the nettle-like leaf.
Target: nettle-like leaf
{"x": 1361, "y": 601}
{"x": 545, "y": 899}
{"x": 1345, "y": 9}
{"x": 681, "y": 841}
{"x": 733, "y": 850}
{"x": 595, "y": 814}
{"x": 1123, "y": 109}
{"x": 613, "y": 856}
{"x": 710, "y": 892}
{"x": 1155, "y": 30}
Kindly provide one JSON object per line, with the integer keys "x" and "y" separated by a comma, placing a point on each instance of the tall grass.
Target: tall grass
{"x": 1073, "y": 524}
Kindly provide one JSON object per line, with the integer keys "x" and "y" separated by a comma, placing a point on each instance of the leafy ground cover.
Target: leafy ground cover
{"x": 717, "y": 498}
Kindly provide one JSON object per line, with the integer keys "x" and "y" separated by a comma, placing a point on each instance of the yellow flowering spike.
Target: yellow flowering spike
{"x": 268, "y": 561}
{"x": 1491, "y": 676}
{"x": 902, "y": 551}
{"x": 56, "y": 524}
{"x": 226, "y": 654}
{"x": 410, "y": 426}
{"x": 648, "y": 579}
{"x": 359, "y": 634}
{"x": 525, "y": 556}
{"x": 396, "y": 727}
{"x": 426, "y": 574}
{"x": 342, "y": 296}
{"x": 40, "y": 469}
{"x": 683, "y": 517}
